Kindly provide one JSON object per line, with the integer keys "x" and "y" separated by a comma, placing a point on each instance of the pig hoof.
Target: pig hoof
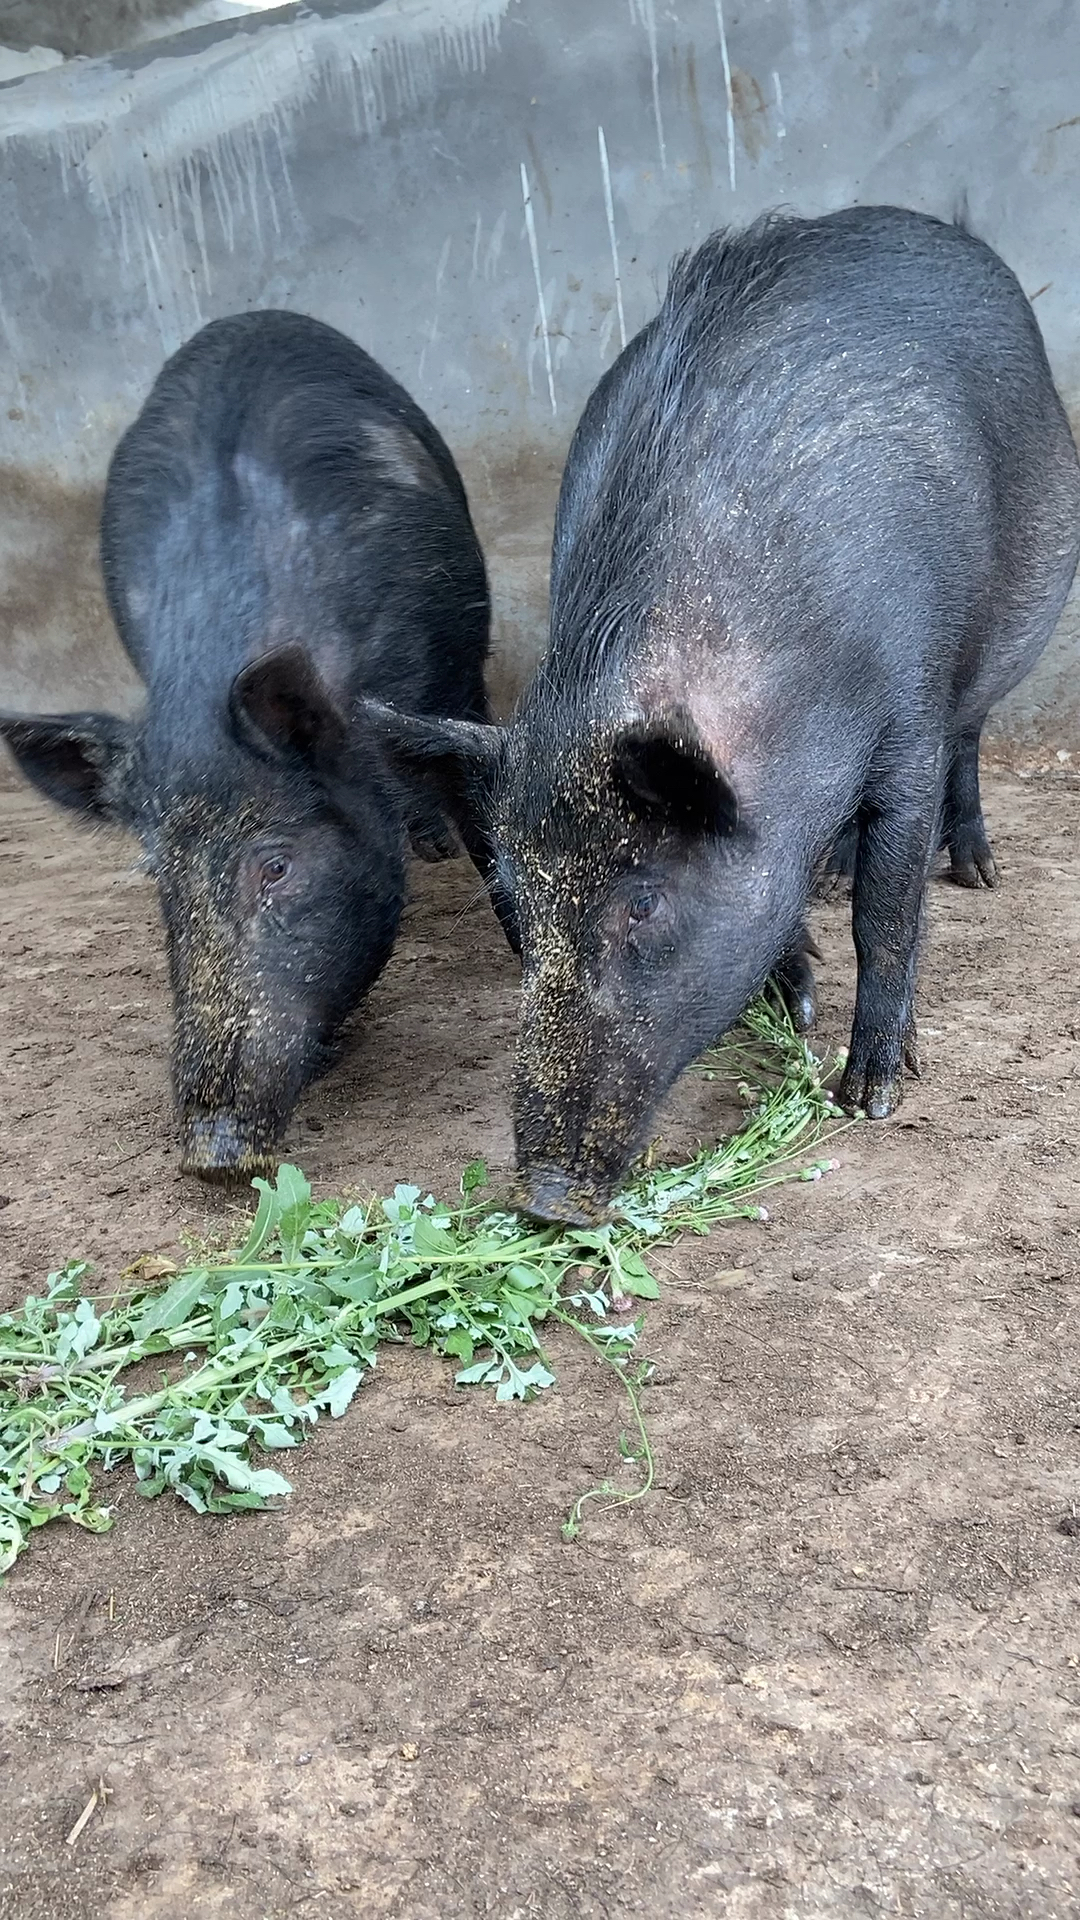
{"x": 802, "y": 1008}
{"x": 864, "y": 1092}
{"x": 882, "y": 1098}
{"x": 971, "y": 864}
{"x": 830, "y": 886}
{"x": 794, "y": 982}
{"x": 433, "y": 846}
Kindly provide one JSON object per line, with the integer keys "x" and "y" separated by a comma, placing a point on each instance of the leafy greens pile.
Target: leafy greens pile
{"x": 265, "y": 1340}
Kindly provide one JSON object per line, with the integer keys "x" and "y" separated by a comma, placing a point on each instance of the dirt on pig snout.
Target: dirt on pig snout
{"x": 832, "y": 1665}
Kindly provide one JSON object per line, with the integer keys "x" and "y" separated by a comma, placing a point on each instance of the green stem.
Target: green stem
{"x": 215, "y": 1373}
{"x": 572, "y": 1523}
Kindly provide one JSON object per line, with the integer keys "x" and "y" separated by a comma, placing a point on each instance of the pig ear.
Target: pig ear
{"x": 459, "y": 758}
{"x": 281, "y": 709}
{"x": 70, "y": 757}
{"x": 669, "y": 777}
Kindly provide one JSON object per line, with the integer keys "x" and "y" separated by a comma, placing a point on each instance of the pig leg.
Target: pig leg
{"x": 840, "y": 864}
{"x": 897, "y": 841}
{"x": 971, "y": 861}
{"x": 430, "y": 834}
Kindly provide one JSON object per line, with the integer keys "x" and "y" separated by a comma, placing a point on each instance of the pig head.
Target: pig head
{"x": 651, "y": 902}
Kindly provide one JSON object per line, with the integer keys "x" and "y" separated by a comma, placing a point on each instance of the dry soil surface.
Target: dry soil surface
{"x": 830, "y": 1667}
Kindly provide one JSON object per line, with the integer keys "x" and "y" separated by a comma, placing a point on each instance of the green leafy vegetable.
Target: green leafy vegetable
{"x": 288, "y": 1327}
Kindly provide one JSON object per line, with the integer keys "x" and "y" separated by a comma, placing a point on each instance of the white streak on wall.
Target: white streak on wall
{"x": 606, "y": 331}
{"x": 730, "y": 94}
{"x": 643, "y": 13}
{"x": 801, "y": 40}
{"x": 781, "y": 129}
{"x": 563, "y": 324}
{"x": 433, "y": 331}
{"x": 493, "y": 250}
{"x": 530, "y": 228}
{"x": 609, "y": 209}
{"x": 12, "y": 339}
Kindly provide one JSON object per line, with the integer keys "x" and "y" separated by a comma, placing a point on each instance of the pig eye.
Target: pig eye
{"x": 273, "y": 870}
{"x": 643, "y": 908}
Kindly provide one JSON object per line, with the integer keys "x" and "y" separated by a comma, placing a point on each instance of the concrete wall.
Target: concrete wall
{"x": 430, "y": 176}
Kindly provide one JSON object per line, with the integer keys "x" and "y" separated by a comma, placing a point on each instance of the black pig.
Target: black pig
{"x": 282, "y": 529}
{"x": 818, "y": 517}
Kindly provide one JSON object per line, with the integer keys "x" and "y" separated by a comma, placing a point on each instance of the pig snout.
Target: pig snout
{"x": 575, "y": 1143}
{"x": 255, "y": 1018}
{"x": 216, "y": 1146}
{"x": 548, "y": 1194}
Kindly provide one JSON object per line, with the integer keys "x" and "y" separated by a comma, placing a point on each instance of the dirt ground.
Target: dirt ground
{"x": 830, "y": 1667}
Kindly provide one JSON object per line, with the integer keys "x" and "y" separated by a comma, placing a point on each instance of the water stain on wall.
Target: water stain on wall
{"x": 748, "y": 107}
{"x": 702, "y": 155}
